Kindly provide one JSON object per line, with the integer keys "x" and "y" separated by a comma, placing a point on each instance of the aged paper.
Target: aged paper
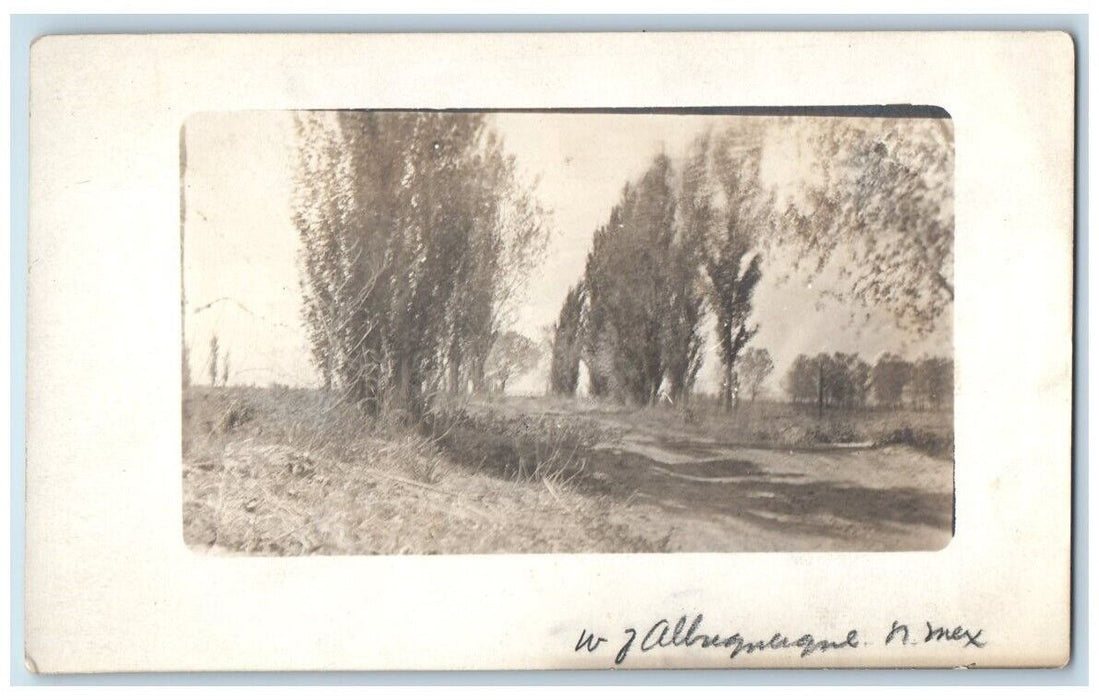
{"x": 872, "y": 469}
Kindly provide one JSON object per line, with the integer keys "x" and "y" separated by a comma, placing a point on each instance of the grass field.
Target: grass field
{"x": 765, "y": 424}
{"x": 292, "y": 471}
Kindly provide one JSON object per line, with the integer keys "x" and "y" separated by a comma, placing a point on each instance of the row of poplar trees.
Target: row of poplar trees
{"x": 415, "y": 233}
{"x": 680, "y": 245}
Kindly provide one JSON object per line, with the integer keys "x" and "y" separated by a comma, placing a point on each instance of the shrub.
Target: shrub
{"x": 523, "y": 447}
{"x": 927, "y": 441}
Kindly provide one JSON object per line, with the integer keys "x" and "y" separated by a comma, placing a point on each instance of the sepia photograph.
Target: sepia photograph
{"x": 463, "y": 332}
{"x": 499, "y": 351}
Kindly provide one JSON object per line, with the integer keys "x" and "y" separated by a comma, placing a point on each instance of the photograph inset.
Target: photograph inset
{"x": 442, "y": 332}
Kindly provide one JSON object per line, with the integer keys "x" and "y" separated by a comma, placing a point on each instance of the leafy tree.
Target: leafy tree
{"x": 416, "y": 236}
{"x": 890, "y": 376}
{"x": 599, "y": 282}
{"x": 225, "y": 369}
{"x": 858, "y": 377}
{"x": 512, "y": 355}
{"x": 686, "y": 292}
{"x": 567, "y": 344}
{"x": 883, "y": 209}
{"x": 933, "y": 382}
{"x": 628, "y": 277}
{"x": 733, "y": 268}
{"x": 755, "y": 366}
{"x": 845, "y": 378}
{"x": 675, "y": 246}
{"x": 801, "y": 381}
{"x": 642, "y": 306}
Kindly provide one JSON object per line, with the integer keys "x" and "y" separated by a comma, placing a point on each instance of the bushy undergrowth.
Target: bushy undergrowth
{"x": 936, "y": 444}
{"x": 770, "y": 424}
{"x": 761, "y": 424}
{"x": 516, "y": 446}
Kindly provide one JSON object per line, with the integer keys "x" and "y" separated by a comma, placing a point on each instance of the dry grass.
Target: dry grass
{"x": 545, "y": 448}
{"x": 287, "y": 472}
{"x": 763, "y": 424}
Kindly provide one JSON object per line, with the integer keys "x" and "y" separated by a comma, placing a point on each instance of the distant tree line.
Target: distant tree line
{"x": 677, "y": 245}
{"x": 846, "y": 381}
{"x": 416, "y": 235}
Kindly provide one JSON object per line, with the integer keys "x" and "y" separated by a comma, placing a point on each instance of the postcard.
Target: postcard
{"x": 550, "y": 351}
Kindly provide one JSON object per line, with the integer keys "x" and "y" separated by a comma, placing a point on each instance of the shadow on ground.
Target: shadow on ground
{"x": 784, "y": 502}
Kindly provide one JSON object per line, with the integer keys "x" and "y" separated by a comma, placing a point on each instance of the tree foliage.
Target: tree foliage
{"x": 416, "y": 235}
{"x": 882, "y": 209}
{"x": 567, "y": 344}
{"x": 846, "y": 380}
{"x": 933, "y": 382}
{"x": 628, "y": 278}
{"x": 755, "y": 366}
{"x": 645, "y": 299}
{"x": 512, "y": 355}
{"x": 677, "y": 245}
{"x": 872, "y": 201}
{"x": 843, "y": 379}
{"x": 890, "y": 376}
{"x": 801, "y": 380}
{"x": 732, "y": 267}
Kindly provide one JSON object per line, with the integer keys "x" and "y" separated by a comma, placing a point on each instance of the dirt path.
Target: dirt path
{"x": 720, "y": 497}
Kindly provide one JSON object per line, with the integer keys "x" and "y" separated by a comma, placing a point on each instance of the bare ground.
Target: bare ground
{"x": 280, "y": 473}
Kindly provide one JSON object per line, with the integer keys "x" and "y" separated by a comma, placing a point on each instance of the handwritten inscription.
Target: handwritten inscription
{"x": 663, "y": 633}
{"x": 958, "y": 634}
{"x": 589, "y": 641}
{"x": 689, "y": 632}
{"x": 901, "y": 634}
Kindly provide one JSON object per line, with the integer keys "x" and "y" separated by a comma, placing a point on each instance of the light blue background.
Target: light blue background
{"x": 25, "y": 28}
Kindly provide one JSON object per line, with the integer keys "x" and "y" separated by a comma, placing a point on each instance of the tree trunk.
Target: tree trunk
{"x": 403, "y": 382}
{"x": 477, "y": 372}
{"x": 735, "y": 392}
{"x": 820, "y": 389}
{"x": 727, "y": 389}
{"x": 454, "y": 365}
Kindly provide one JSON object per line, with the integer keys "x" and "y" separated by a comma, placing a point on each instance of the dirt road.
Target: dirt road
{"x": 721, "y": 497}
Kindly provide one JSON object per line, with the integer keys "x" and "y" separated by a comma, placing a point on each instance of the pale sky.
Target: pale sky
{"x": 240, "y": 247}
